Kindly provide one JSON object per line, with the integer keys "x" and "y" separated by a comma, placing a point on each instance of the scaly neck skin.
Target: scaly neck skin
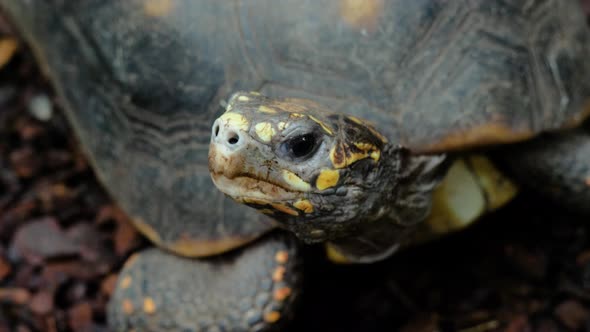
{"x": 402, "y": 202}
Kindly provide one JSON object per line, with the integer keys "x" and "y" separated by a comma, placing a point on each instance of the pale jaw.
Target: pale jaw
{"x": 247, "y": 189}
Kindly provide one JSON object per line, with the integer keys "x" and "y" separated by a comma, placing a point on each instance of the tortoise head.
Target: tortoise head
{"x": 317, "y": 173}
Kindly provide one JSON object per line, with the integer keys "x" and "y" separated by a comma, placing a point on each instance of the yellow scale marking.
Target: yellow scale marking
{"x": 304, "y": 205}
{"x": 272, "y": 317}
{"x": 283, "y": 125}
{"x": 372, "y": 150}
{"x": 236, "y": 120}
{"x": 279, "y": 273}
{"x": 323, "y": 125}
{"x": 282, "y": 257}
{"x": 284, "y": 208}
{"x": 265, "y": 131}
{"x": 328, "y": 178}
{"x": 127, "y": 306}
{"x": 282, "y": 293}
{"x": 367, "y": 150}
{"x": 126, "y": 282}
{"x": 149, "y": 306}
{"x": 295, "y": 182}
{"x": 266, "y": 109}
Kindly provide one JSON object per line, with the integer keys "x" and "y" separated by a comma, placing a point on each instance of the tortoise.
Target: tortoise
{"x": 223, "y": 128}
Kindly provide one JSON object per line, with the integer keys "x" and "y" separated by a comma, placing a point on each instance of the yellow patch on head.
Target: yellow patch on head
{"x": 283, "y": 125}
{"x": 127, "y": 306}
{"x": 366, "y": 147}
{"x": 375, "y": 155}
{"x": 243, "y": 98}
{"x": 328, "y": 178}
{"x": 265, "y": 131}
{"x": 281, "y": 257}
{"x": 281, "y": 294}
{"x": 272, "y": 317}
{"x": 341, "y": 158}
{"x": 296, "y": 115}
{"x": 158, "y": 8}
{"x": 284, "y": 208}
{"x": 266, "y": 109}
{"x": 235, "y": 120}
{"x": 149, "y": 306}
{"x": 372, "y": 151}
{"x": 342, "y": 155}
{"x": 295, "y": 182}
{"x": 323, "y": 125}
{"x": 354, "y": 157}
{"x": 126, "y": 282}
{"x": 304, "y": 205}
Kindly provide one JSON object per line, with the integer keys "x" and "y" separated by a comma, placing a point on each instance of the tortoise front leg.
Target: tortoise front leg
{"x": 250, "y": 289}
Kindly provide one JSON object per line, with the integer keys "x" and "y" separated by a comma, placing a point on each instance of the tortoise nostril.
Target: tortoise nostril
{"x": 233, "y": 138}
{"x": 216, "y": 130}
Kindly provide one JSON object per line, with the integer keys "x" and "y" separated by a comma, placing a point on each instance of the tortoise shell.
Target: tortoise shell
{"x": 143, "y": 81}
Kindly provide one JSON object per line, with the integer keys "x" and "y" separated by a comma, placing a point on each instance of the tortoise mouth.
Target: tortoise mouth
{"x": 246, "y": 188}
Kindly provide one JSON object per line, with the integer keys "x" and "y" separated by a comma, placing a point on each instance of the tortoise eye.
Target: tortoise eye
{"x": 300, "y": 147}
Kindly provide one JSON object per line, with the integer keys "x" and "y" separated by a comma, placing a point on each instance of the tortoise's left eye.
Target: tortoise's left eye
{"x": 299, "y": 147}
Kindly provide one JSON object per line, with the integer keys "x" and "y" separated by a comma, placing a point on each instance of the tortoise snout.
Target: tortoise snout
{"x": 229, "y": 137}
{"x": 227, "y": 134}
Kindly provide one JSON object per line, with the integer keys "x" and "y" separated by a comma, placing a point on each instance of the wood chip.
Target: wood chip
{"x": 42, "y": 302}
{"x": 108, "y": 284}
{"x": 80, "y": 316}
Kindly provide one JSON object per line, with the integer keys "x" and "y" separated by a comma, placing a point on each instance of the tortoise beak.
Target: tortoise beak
{"x": 228, "y": 139}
